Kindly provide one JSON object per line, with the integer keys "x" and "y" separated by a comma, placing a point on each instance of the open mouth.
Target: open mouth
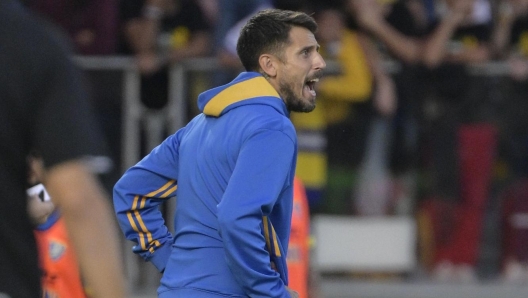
{"x": 311, "y": 85}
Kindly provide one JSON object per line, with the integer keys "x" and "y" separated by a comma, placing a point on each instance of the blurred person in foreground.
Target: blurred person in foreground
{"x": 44, "y": 107}
{"x": 92, "y": 27}
{"x": 232, "y": 168}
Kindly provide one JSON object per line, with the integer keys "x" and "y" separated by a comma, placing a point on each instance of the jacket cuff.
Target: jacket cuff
{"x": 161, "y": 256}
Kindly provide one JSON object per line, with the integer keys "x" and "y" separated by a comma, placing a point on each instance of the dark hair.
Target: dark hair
{"x": 268, "y": 32}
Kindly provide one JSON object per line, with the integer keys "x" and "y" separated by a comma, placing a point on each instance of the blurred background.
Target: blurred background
{"x": 415, "y": 162}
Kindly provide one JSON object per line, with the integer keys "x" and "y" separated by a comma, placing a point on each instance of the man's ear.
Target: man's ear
{"x": 268, "y": 64}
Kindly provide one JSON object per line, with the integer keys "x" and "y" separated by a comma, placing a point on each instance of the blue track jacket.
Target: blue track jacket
{"x": 232, "y": 170}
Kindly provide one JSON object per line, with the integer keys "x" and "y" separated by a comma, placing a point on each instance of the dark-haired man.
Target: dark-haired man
{"x": 233, "y": 168}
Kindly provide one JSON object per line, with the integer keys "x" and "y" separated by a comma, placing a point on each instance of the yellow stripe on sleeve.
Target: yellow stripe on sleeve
{"x": 275, "y": 242}
{"x": 169, "y": 192}
{"x": 145, "y": 236}
{"x": 163, "y": 188}
{"x": 133, "y": 223}
{"x": 266, "y": 233}
{"x": 140, "y": 220}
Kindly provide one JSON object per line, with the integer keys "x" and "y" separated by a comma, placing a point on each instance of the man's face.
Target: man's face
{"x": 299, "y": 70}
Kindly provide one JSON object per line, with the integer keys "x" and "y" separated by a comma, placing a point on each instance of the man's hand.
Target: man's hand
{"x": 460, "y": 10}
{"x": 148, "y": 63}
{"x": 39, "y": 210}
{"x": 293, "y": 294}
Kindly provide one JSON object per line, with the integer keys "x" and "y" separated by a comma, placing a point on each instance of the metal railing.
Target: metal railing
{"x": 174, "y": 113}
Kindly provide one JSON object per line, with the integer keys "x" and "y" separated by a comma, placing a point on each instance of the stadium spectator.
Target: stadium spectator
{"x": 92, "y": 25}
{"x": 454, "y": 112}
{"x": 159, "y": 33}
{"x": 511, "y": 44}
{"x": 210, "y": 9}
{"x": 333, "y": 137}
{"x": 45, "y": 107}
{"x": 231, "y": 233}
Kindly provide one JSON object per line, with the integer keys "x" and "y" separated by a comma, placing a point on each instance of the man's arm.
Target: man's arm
{"x": 137, "y": 196}
{"x": 88, "y": 218}
{"x": 435, "y": 49}
{"x": 502, "y": 30}
{"x": 384, "y": 96}
{"x": 369, "y": 15}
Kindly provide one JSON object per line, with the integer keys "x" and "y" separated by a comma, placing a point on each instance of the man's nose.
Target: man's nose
{"x": 319, "y": 62}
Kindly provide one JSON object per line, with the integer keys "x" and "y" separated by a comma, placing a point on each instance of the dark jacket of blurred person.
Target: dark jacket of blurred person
{"x": 92, "y": 28}
{"x": 44, "y": 107}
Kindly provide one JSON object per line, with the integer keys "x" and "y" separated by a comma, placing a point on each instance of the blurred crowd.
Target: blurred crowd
{"x": 407, "y": 125}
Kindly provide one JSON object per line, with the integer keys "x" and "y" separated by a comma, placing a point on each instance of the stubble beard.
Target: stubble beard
{"x": 293, "y": 102}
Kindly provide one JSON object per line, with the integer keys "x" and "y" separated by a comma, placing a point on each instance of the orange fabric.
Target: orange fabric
{"x": 61, "y": 278}
{"x": 298, "y": 248}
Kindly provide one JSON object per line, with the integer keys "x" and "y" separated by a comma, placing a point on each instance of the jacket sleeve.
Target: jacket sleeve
{"x": 137, "y": 196}
{"x": 262, "y": 171}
